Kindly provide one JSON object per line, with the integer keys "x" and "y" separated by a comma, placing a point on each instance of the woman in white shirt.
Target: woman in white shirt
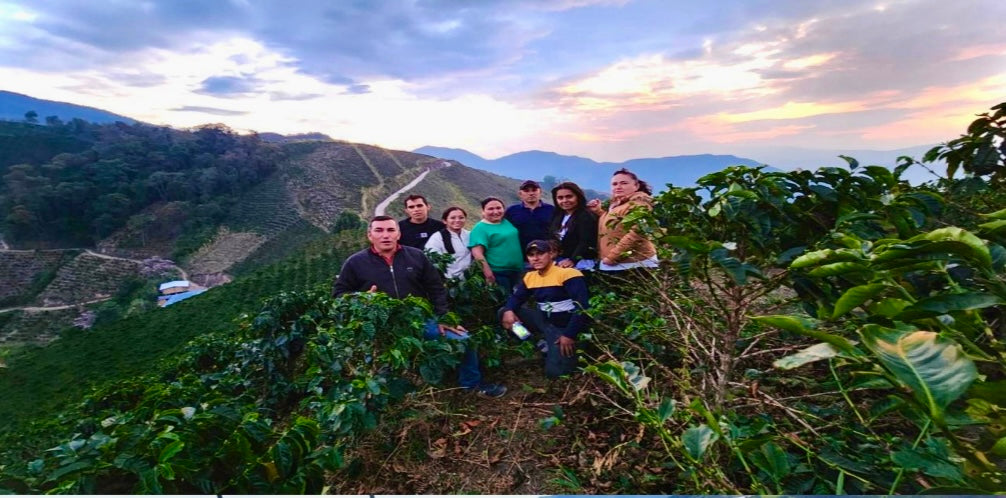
{"x": 453, "y": 240}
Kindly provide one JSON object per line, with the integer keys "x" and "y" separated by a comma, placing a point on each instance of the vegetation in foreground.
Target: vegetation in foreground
{"x": 831, "y": 331}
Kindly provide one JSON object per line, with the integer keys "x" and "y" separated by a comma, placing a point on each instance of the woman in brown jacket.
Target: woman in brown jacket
{"x": 619, "y": 247}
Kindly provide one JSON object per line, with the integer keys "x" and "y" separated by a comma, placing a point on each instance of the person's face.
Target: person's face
{"x": 566, "y": 199}
{"x": 622, "y": 185}
{"x": 540, "y": 260}
{"x": 456, "y": 220}
{"x": 493, "y": 212}
{"x": 417, "y": 210}
{"x": 530, "y": 195}
{"x": 384, "y": 235}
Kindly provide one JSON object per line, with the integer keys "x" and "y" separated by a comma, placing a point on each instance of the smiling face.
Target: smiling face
{"x": 456, "y": 220}
{"x": 384, "y": 235}
{"x": 566, "y": 200}
{"x": 623, "y": 185}
{"x": 493, "y": 212}
{"x": 417, "y": 210}
{"x": 540, "y": 260}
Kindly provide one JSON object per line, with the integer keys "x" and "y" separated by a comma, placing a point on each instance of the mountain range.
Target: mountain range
{"x": 14, "y": 106}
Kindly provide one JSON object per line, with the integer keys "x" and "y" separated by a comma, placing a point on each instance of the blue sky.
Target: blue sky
{"x": 606, "y": 79}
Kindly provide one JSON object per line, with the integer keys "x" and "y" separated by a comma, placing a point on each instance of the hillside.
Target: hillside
{"x": 218, "y": 203}
{"x": 13, "y": 107}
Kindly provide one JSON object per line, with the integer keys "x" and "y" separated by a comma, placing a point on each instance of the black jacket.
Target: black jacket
{"x": 580, "y": 241}
{"x": 410, "y": 274}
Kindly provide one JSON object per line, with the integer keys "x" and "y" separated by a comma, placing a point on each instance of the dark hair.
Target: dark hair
{"x": 643, "y": 186}
{"x": 448, "y": 211}
{"x": 379, "y": 218}
{"x": 487, "y": 200}
{"x": 581, "y": 198}
{"x": 413, "y": 197}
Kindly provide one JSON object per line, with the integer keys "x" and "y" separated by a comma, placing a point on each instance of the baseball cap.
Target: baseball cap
{"x": 529, "y": 184}
{"x": 538, "y": 245}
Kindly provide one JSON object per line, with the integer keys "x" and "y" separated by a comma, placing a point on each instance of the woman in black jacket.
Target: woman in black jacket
{"x": 574, "y": 226}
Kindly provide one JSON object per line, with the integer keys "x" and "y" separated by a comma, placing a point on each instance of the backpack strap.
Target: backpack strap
{"x": 448, "y": 243}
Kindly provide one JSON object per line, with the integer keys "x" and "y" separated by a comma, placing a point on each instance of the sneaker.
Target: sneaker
{"x": 542, "y": 346}
{"x": 489, "y": 390}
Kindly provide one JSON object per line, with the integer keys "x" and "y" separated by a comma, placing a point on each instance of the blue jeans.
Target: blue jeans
{"x": 534, "y": 319}
{"x": 507, "y": 279}
{"x": 469, "y": 374}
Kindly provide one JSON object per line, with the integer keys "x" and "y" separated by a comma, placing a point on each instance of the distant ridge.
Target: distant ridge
{"x": 680, "y": 171}
{"x": 299, "y": 137}
{"x": 13, "y": 107}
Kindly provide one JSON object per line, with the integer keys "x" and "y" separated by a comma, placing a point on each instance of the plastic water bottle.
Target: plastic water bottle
{"x": 520, "y": 331}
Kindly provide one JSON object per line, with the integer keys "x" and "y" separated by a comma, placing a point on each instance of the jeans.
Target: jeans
{"x": 555, "y": 363}
{"x": 469, "y": 375}
{"x": 507, "y": 279}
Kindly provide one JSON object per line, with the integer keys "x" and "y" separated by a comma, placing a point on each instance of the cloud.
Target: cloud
{"x": 230, "y": 86}
{"x": 209, "y": 110}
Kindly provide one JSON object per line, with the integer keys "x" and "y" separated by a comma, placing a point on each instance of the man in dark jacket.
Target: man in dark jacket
{"x": 402, "y": 271}
{"x": 531, "y": 215}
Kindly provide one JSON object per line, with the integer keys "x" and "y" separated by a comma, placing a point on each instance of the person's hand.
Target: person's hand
{"x": 443, "y": 328}
{"x": 373, "y": 288}
{"x": 486, "y": 272}
{"x": 566, "y": 263}
{"x": 509, "y": 318}
{"x": 567, "y": 346}
{"x": 608, "y": 261}
{"x": 593, "y": 204}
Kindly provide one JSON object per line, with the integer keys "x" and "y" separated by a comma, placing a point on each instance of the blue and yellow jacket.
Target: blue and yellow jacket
{"x": 560, "y": 293}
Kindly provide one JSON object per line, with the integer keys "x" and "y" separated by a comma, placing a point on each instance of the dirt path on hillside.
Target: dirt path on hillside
{"x": 185, "y": 275}
{"x": 54, "y": 308}
{"x": 376, "y": 188}
{"x": 383, "y": 206}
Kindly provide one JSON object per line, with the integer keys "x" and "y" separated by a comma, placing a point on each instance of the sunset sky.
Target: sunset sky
{"x": 605, "y": 79}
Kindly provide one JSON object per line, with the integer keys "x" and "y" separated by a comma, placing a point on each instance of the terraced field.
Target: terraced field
{"x": 268, "y": 209}
{"x": 86, "y": 278}
{"x": 22, "y": 272}
{"x": 34, "y": 327}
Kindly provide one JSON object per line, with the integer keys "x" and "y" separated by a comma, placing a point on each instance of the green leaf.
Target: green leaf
{"x": 773, "y": 460}
{"x": 998, "y": 215}
{"x": 811, "y": 354}
{"x": 170, "y": 451}
{"x": 999, "y": 449}
{"x": 855, "y": 297}
{"x": 697, "y": 440}
{"x": 814, "y": 258}
{"x": 933, "y": 367}
{"x": 927, "y": 463}
{"x": 888, "y": 307}
{"x": 666, "y": 409}
{"x": 946, "y": 303}
{"x": 805, "y": 327}
{"x": 840, "y": 268}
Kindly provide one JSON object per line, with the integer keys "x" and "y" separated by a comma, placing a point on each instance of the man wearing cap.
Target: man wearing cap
{"x": 418, "y": 227}
{"x": 531, "y": 216}
{"x": 401, "y": 271}
{"x": 559, "y": 313}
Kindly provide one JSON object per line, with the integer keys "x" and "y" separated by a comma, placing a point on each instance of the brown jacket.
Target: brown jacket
{"x": 615, "y": 241}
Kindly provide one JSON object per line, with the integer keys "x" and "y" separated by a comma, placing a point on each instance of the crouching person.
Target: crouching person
{"x": 560, "y": 296}
{"x": 402, "y": 271}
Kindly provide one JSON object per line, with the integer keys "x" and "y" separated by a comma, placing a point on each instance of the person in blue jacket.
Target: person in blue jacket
{"x": 560, "y": 300}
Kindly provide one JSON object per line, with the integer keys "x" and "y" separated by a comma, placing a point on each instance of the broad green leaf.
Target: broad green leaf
{"x": 855, "y": 297}
{"x": 805, "y": 327}
{"x": 697, "y": 440}
{"x": 927, "y": 463}
{"x": 946, "y": 303}
{"x": 807, "y": 355}
{"x": 993, "y": 392}
{"x": 992, "y": 226}
{"x": 666, "y": 409}
{"x": 962, "y": 242}
{"x": 773, "y": 460}
{"x": 840, "y": 268}
{"x": 998, "y": 215}
{"x": 814, "y": 258}
{"x": 999, "y": 449}
{"x": 933, "y": 367}
{"x": 170, "y": 451}
{"x": 888, "y": 307}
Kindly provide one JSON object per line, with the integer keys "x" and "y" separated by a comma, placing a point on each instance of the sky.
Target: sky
{"x": 606, "y": 79}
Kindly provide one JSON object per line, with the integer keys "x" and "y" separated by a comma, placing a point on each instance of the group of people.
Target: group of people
{"x": 533, "y": 250}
